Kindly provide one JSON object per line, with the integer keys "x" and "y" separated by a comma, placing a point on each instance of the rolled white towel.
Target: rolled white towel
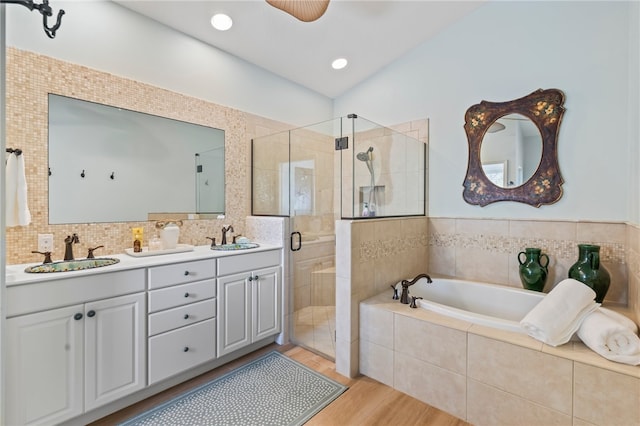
{"x": 559, "y": 314}
{"x": 620, "y": 318}
{"x": 611, "y": 336}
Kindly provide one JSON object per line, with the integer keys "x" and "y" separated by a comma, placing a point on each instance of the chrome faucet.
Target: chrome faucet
{"x": 68, "y": 248}
{"x": 404, "y": 298}
{"x": 226, "y": 229}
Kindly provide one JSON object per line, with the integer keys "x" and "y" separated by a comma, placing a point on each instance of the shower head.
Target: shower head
{"x": 364, "y": 156}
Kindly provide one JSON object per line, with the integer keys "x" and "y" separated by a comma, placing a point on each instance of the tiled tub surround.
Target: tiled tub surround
{"x": 29, "y": 79}
{"x": 492, "y": 377}
{"x": 487, "y": 250}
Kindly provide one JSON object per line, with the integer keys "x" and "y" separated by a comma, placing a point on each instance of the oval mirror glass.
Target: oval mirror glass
{"x": 511, "y": 151}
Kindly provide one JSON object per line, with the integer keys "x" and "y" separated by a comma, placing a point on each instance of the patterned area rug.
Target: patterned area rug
{"x": 272, "y": 390}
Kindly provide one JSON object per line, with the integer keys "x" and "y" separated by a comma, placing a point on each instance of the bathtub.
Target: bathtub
{"x": 479, "y": 303}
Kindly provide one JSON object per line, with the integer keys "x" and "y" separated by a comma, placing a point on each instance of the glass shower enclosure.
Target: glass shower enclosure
{"x": 347, "y": 168}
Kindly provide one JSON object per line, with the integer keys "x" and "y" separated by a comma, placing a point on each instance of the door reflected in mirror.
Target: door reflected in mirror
{"x": 511, "y": 151}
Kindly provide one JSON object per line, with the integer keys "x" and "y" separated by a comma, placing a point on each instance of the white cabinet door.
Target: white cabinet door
{"x": 115, "y": 349}
{"x": 266, "y": 303}
{"x": 45, "y": 360}
{"x": 234, "y": 312}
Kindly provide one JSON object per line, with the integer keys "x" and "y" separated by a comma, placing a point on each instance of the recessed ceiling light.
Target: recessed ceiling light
{"x": 339, "y": 63}
{"x": 221, "y": 22}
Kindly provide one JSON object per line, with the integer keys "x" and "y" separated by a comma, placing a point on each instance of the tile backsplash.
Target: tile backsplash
{"x": 31, "y": 77}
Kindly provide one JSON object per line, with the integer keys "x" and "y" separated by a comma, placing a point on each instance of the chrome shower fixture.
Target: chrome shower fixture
{"x": 365, "y": 156}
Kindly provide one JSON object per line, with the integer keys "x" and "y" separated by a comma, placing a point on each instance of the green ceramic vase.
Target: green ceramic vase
{"x": 533, "y": 268}
{"x": 589, "y": 270}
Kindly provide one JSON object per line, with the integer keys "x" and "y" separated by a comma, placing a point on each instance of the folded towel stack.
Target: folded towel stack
{"x": 612, "y": 336}
{"x": 560, "y": 313}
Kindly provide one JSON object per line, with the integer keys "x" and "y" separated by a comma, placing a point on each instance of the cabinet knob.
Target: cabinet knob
{"x": 250, "y": 278}
{"x": 256, "y": 278}
{"x": 186, "y": 316}
{"x": 186, "y": 272}
{"x": 77, "y": 317}
{"x": 186, "y": 349}
{"x": 186, "y": 294}
{"x": 91, "y": 313}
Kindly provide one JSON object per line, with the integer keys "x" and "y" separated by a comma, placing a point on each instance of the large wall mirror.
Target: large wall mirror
{"x": 109, "y": 164}
{"x": 513, "y": 150}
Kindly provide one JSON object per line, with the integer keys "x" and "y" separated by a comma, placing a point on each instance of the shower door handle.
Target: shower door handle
{"x": 299, "y": 245}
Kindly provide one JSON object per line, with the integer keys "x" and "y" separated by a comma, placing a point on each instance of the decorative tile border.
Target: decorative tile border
{"x": 609, "y": 252}
{"x": 378, "y": 249}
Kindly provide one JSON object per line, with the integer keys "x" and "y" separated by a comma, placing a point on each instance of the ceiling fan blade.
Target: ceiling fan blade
{"x": 304, "y": 10}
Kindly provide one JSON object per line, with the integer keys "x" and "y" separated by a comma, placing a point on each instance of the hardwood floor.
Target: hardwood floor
{"x": 366, "y": 402}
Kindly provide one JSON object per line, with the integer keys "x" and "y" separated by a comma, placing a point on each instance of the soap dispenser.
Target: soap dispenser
{"x": 137, "y": 239}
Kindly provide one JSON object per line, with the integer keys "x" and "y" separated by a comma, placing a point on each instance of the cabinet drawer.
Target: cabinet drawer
{"x": 45, "y": 295}
{"x": 248, "y": 262}
{"x": 178, "y": 273}
{"x": 175, "y": 351}
{"x": 172, "y": 297}
{"x": 179, "y": 317}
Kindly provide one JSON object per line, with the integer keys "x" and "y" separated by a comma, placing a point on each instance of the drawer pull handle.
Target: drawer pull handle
{"x": 91, "y": 313}
{"x": 77, "y": 317}
{"x": 186, "y": 349}
{"x": 186, "y": 273}
{"x": 186, "y": 316}
{"x": 186, "y": 294}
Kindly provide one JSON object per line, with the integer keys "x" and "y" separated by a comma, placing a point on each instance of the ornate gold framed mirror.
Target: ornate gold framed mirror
{"x": 513, "y": 150}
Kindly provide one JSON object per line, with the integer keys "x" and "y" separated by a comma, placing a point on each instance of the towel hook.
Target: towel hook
{"x": 82, "y": 174}
{"x": 112, "y": 176}
{"x": 45, "y": 11}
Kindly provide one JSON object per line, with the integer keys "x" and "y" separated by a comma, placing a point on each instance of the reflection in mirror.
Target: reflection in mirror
{"x": 108, "y": 164}
{"x": 518, "y": 168}
{"x": 511, "y": 151}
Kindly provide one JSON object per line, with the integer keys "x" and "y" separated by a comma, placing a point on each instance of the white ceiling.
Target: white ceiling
{"x": 370, "y": 34}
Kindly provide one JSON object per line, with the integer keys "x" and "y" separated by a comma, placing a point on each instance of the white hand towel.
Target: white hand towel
{"x": 559, "y": 314}
{"x": 612, "y": 336}
{"x": 24, "y": 215}
{"x": 11, "y": 191}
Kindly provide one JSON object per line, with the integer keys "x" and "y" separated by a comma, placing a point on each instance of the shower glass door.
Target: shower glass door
{"x": 311, "y": 184}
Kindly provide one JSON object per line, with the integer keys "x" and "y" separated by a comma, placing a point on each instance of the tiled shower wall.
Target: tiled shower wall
{"x": 31, "y": 77}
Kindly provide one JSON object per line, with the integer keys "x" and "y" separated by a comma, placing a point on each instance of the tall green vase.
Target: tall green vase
{"x": 533, "y": 273}
{"x": 589, "y": 270}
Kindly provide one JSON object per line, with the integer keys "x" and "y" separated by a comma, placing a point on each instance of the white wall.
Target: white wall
{"x": 505, "y": 50}
{"x": 105, "y": 36}
{"x": 634, "y": 112}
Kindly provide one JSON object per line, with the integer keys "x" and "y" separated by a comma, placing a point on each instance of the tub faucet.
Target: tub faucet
{"x": 68, "y": 247}
{"x": 404, "y": 298}
{"x": 226, "y": 229}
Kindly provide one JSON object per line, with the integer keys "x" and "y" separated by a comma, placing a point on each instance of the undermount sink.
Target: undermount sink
{"x": 237, "y": 246}
{"x": 72, "y": 265}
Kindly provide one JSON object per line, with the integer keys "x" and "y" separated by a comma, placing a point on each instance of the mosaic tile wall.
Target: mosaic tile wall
{"x": 31, "y": 77}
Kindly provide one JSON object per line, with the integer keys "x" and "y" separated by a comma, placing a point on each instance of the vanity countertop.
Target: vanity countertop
{"x": 15, "y": 274}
